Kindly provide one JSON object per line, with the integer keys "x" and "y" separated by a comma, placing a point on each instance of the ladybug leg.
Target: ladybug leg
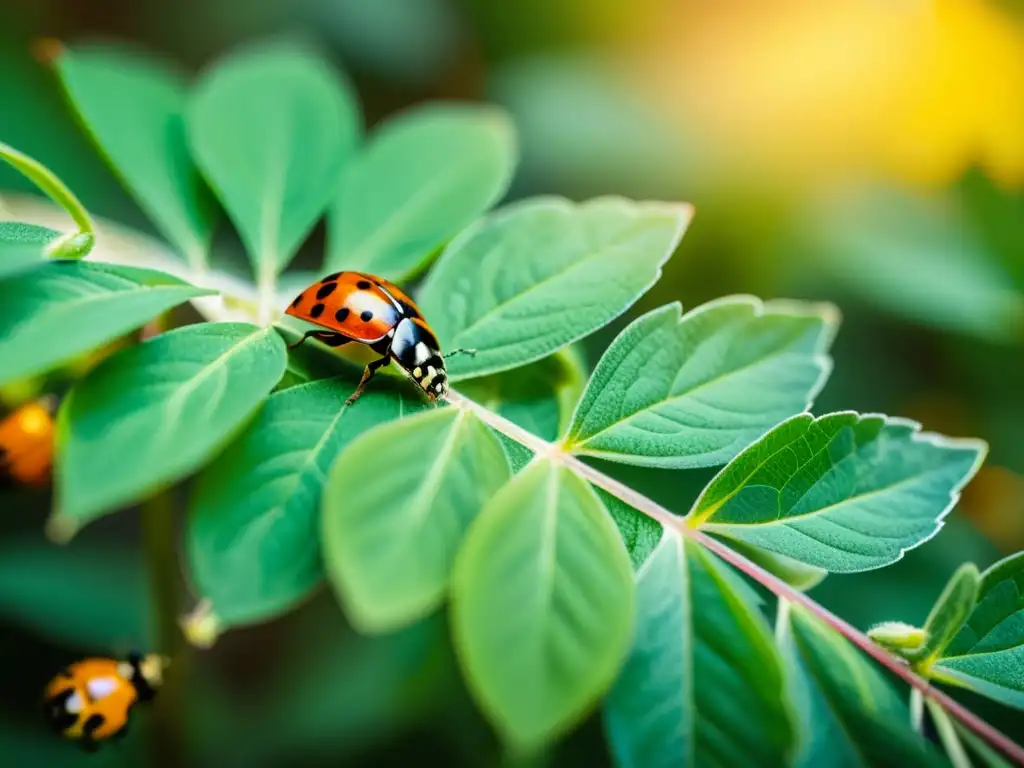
{"x": 454, "y": 352}
{"x": 367, "y": 375}
{"x": 88, "y": 729}
{"x": 302, "y": 341}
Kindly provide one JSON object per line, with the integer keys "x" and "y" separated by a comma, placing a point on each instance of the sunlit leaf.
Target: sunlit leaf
{"x": 68, "y": 307}
{"x": 693, "y": 390}
{"x": 389, "y": 545}
{"x": 987, "y": 654}
{"x": 842, "y": 492}
{"x": 950, "y": 611}
{"x": 540, "y": 274}
{"x": 849, "y": 714}
{"x": 271, "y": 126}
{"x": 153, "y": 413}
{"x": 542, "y": 604}
{"x": 424, "y": 176}
{"x": 22, "y": 247}
{"x": 132, "y": 106}
{"x": 703, "y": 683}
{"x": 254, "y": 523}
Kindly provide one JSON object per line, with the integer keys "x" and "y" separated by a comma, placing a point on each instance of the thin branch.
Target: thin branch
{"x": 780, "y": 588}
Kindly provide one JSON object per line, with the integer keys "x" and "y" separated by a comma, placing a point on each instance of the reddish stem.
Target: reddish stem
{"x": 780, "y": 588}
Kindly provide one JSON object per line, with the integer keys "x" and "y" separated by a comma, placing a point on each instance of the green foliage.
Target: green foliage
{"x": 702, "y": 654}
{"x": 849, "y": 714}
{"x": 423, "y": 177}
{"x": 390, "y": 540}
{"x": 819, "y": 490}
{"x": 254, "y": 533}
{"x": 132, "y": 106}
{"x": 542, "y": 604}
{"x": 153, "y": 413}
{"x": 693, "y": 391}
{"x": 541, "y": 274}
{"x": 271, "y": 127}
{"x": 561, "y": 595}
{"x": 22, "y": 247}
{"x": 64, "y": 308}
{"x": 987, "y": 654}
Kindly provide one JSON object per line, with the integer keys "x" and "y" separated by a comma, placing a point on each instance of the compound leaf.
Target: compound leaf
{"x": 842, "y": 492}
{"x": 424, "y": 176}
{"x": 254, "y": 522}
{"x": 390, "y": 541}
{"x": 67, "y": 307}
{"x": 542, "y": 604}
{"x": 271, "y": 126}
{"x": 538, "y": 275}
{"x": 155, "y": 412}
{"x": 702, "y": 653}
{"x": 132, "y": 105}
{"x": 682, "y": 391}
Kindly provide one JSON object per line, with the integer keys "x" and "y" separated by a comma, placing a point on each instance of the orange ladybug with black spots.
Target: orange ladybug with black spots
{"x": 362, "y": 308}
{"x": 90, "y": 701}
{"x": 26, "y": 443}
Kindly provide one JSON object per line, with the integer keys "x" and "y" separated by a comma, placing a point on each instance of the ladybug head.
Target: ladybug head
{"x": 415, "y": 349}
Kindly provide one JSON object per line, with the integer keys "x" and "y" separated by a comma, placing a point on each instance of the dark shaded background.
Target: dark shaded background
{"x": 873, "y": 158}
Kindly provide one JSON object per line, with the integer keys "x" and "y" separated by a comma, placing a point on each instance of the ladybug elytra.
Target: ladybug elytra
{"x": 354, "y": 306}
{"x": 90, "y": 700}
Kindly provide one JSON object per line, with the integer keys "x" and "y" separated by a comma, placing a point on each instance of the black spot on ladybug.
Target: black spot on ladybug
{"x": 326, "y": 290}
{"x": 297, "y": 300}
{"x": 90, "y": 726}
{"x": 331, "y": 278}
{"x": 57, "y": 713}
{"x": 363, "y": 285}
{"x": 341, "y": 315}
{"x": 317, "y": 310}
{"x": 366, "y": 316}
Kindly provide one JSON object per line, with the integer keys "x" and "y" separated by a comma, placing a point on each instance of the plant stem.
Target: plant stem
{"x": 917, "y": 710}
{"x": 780, "y": 588}
{"x": 948, "y": 736}
{"x": 54, "y": 188}
{"x": 161, "y": 556}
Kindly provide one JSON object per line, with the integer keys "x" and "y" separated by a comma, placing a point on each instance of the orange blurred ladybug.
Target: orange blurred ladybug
{"x": 90, "y": 700}
{"x": 369, "y": 310}
{"x": 26, "y": 443}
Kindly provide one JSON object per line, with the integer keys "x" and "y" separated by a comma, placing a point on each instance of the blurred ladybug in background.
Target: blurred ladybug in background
{"x": 26, "y": 443}
{"x": 90, "y": 700}
{"x": 369, "y": 310}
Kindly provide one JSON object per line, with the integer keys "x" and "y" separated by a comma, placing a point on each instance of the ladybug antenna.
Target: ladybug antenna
{"x": 454, "y": 352}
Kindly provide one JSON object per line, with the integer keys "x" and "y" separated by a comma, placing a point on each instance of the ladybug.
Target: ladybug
{"x": 26, "y": 443}
{"x": 369, "y": 310}
{"x": 90, "y": 700}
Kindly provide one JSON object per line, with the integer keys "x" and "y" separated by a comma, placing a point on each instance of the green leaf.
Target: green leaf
{"x": 702, "y": 655}
{"x": 795, "y": 573}
{"x": 65, "y": 308}
{"x": 22, "y": 247}
{"x": 950, "y": 611}
{"x": 639, "y": 532}
{"x": 842, "y": 492}
{"x": 155, "y": 412}
{"x": 132, "y": 106}
{"x": 850, "y": 715}
{"x": 987, "y": 654}
{"x": 389, "y": 542}
{"x": 916, "y": 256}
{"x": 693, "y": 390}
{"x": 271, "y": 126}
{"x": 543, "y": 273}
{"x": 542, "y": 604}
{"x": 425, "y": 175}
{"x": 254, "y": 520}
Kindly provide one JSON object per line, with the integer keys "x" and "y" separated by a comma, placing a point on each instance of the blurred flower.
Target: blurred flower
{"x": 809, "y": 91}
